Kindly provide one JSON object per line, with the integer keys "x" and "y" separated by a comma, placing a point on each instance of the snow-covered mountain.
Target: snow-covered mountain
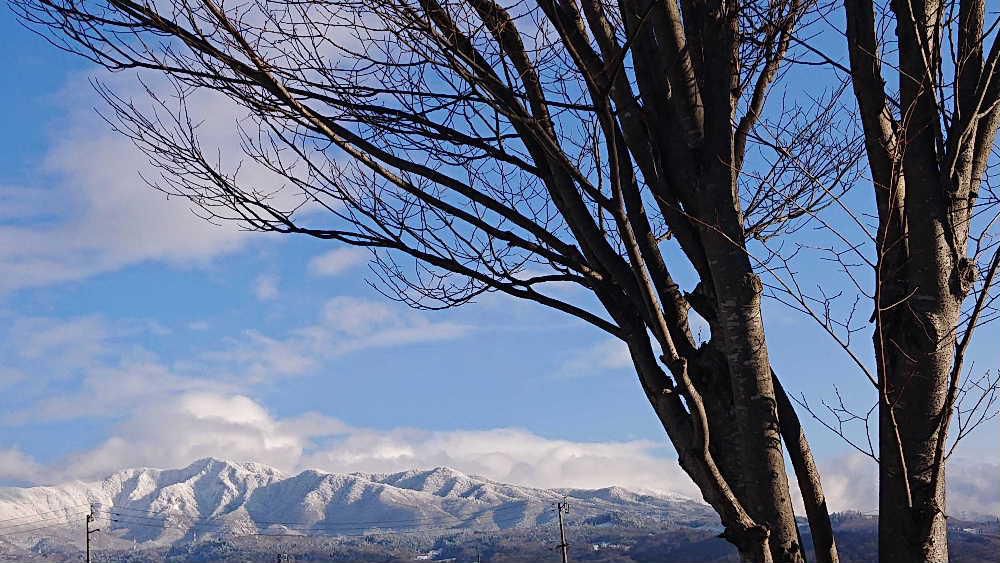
{"x": 211, "y": 497}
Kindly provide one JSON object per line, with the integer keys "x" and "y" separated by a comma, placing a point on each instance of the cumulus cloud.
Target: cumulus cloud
{"x": 509, "y": 455}
{"x": 973, "y": 486}
{"x": 850, "y": 482}
{"x": 190, "y": 425}
{"x": 233, "y": 426}
{"x": 337, "y": 261}
{"x": 169, "y": 415}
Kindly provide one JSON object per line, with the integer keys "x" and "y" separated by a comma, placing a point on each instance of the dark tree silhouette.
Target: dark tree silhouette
{"x": 479, "y": 146}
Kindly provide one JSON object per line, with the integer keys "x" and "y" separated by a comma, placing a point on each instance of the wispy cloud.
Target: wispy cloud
{"x": 92, "y": 211}
{"x": 337, "y": 261}
{"x": 18, "y": 467}
{"x": 265, "y": 287}
{"x": 344, "y": 326}
{"x": 89, "y": 367}
{"x": 604, "y": 356}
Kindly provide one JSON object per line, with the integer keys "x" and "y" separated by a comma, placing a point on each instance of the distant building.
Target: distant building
{"x": 607, "y": 545}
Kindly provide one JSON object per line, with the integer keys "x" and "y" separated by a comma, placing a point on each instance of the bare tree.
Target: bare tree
{"x": 479, "y": 146}
{"x": 930, "y": 142}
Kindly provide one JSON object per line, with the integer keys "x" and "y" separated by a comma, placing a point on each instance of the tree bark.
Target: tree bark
{"x": 912, "y": 519}
{"x": 764, "y": 483}
{"x": 915, "y": 346}
{"x": 807, "y": 475}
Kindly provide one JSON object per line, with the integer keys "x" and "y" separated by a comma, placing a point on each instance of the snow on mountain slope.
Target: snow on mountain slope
{"x": 214, "y": 497}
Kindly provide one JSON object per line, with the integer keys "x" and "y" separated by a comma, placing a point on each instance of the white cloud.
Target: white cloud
{"x": 850, "y": 482}
{"x": 111, "y": 391}
{"x": 256, "y": 357}
{"x": 188, "y": 426}
{"x": 70, "y": 342}
{"x": 9, "y": 377}
{"x": 64, "y": 369}
{"x": 16, "y": 466}
{"x": 350, "y": 324}
{"x": 509, "y": 455}
{"x": 175, "y": 430}
{"x": 337, "y": 261}
{"x": 345, "y": 325}
{"x": 115, "y": 375}
{"x": 93, "y": 212}
{"x": 169, "y": 415}
{"x": 973, "y": 486}
{"x": 611, "y": 354}
{"x": 266, "y": 287}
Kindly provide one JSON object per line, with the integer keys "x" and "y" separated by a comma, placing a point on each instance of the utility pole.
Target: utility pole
{"x": 563, "y": 507}
{"x": 90, "y": 518}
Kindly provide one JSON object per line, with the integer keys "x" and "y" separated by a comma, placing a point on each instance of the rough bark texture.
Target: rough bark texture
{"x": 808, "y": 476}
{"x": 926, "y": 178}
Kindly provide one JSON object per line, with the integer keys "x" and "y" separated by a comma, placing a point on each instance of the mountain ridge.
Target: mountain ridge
{"x": 220, "y": 498}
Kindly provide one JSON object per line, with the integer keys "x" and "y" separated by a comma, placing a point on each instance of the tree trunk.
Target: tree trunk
{"x": 917, "y": 530}
{"x": 912, "y": 521}
{"x": 764, "y": 484}
{"x": 915, "y": 345}
{"x": 807, "y": 474}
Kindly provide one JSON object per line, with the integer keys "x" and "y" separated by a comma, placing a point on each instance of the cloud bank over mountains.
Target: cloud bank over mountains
{"x": 168, "y": 414}
{"x": 193, "y": 425}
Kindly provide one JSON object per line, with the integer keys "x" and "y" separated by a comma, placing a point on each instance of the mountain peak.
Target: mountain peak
{"x": 214, "y": 463}
{"x": 213, "y": 496}
{"x": 206, "y": 463}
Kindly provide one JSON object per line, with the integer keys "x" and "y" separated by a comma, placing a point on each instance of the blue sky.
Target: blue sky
{"x": 133, "y": 333}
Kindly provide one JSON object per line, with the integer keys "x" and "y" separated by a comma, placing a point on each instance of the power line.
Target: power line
{"x": 52, "y": 525}
{"x": 162, "y": 517}
{"x": 36, "y": 514}
{"x": 4, "y": 530}
{"x": 333, "y": 532}
{"x": 355, "y": 528}
{"x": 218, "y": 526}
